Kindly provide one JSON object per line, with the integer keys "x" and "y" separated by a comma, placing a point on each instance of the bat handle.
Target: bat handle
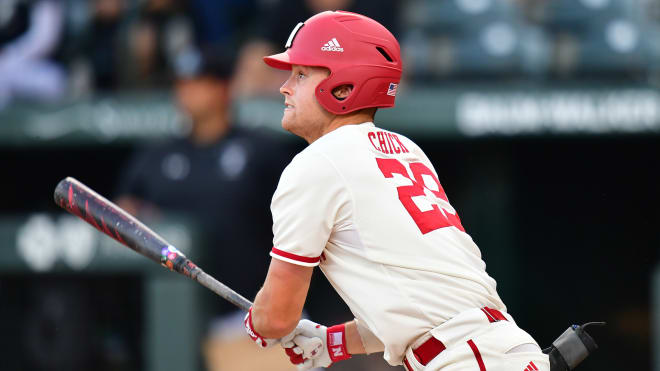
{"x": 222, "y": 290}
{"x": 186, "y": 267}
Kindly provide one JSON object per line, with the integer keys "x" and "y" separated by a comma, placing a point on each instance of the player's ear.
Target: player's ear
{"x": 342, "y": 92}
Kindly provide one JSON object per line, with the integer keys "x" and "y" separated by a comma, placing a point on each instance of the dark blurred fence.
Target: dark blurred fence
{"x": 74, "y": 299}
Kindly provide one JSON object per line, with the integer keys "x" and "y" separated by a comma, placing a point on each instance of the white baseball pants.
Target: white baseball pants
{"x": 480, "y": 339}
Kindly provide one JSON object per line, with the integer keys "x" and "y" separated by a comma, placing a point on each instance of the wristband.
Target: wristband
{"x": 336, "y": 343}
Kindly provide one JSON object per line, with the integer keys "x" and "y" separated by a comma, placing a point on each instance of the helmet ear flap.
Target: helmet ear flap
{"x": 368, "y": 87}
{"x": 326, "y": 97}
{"x": 342, "y": 92}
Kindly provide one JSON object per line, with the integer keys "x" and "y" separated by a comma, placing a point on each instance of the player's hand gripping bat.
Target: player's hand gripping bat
{"x": 83, "y": 202}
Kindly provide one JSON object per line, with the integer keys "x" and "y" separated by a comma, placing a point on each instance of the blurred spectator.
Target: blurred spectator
{"x": 473, "y": 40}
{"x": 30, "y": 31}
{"x": 102, "y": 43}
{"x": 276, "y": 21}
{"x": 221, "y": 22}
{"x": 161, "y": 34}
{"x": 221, "y": 175}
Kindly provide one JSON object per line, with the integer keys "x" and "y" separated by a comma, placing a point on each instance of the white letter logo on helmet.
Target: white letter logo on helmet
{"x": 332, "y": 46}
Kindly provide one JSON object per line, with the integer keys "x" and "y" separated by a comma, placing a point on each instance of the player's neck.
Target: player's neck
{"x": 349, "y": 119}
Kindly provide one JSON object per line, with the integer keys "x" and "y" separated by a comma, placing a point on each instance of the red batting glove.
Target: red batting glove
{"x": 260, "y": 340}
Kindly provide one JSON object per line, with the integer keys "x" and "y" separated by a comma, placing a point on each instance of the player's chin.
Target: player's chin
{"x": 287, "y": 121}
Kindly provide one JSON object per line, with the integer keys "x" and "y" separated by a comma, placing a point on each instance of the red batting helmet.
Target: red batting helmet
{"x": 357, "y": 50}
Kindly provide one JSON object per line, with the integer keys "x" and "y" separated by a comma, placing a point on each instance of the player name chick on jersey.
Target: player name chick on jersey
{"x": 388, "y": 143}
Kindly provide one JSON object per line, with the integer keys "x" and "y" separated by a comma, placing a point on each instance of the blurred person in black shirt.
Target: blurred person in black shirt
{"x": 275, "y": 21}
{"x": 221, "y": 175}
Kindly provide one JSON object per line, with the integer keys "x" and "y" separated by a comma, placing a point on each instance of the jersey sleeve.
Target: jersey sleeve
{"x": 310, "y": 200}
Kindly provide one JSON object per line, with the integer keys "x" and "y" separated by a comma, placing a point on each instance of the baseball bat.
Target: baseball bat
{"x": 83, "y": 202}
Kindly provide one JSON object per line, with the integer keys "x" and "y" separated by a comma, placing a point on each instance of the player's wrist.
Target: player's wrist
{"x": 337, "y": 343}
{"x": 254, "y": 335}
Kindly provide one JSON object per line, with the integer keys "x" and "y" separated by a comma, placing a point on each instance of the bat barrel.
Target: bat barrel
{"x": 80, "y": 200}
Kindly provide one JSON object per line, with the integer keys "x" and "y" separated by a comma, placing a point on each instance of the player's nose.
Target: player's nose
{"x": 285, "y": 89}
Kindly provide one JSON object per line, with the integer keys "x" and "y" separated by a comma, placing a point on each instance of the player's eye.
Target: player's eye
{"x": 300, "y": 75}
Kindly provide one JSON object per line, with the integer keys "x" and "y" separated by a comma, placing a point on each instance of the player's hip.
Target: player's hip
{"x": 474, "y": 355}
{"x": 482, "y": 337}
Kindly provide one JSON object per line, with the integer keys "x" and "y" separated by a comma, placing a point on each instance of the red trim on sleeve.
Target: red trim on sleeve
{"x": 295, "y": 257}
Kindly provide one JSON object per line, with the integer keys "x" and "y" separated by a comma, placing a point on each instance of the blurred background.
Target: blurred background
{"x": 542, "y": 118}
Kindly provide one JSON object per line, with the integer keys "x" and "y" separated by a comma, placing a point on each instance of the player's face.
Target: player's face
{"x": 303, "y": 115}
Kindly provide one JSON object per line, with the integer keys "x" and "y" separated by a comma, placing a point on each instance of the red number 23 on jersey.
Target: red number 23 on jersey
{"x": 428, "y": 220}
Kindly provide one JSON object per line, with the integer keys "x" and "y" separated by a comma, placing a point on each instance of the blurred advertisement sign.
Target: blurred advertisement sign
{"x": 597, "y": 112}
{"x": 41, "y": 241}
{"x": 458, "y": 110}
{"x": 45, "y": 243}
{"x": 109, "y": 119}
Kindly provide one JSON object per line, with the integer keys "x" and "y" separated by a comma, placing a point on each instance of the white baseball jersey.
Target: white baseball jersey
{"x": 366, "y": 205}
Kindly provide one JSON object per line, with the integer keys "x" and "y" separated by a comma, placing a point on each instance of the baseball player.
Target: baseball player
{"x": 366, "y": 206}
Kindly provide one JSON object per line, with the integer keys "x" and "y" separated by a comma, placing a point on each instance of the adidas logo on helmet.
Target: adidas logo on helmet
{"x": 332, "y": 46}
